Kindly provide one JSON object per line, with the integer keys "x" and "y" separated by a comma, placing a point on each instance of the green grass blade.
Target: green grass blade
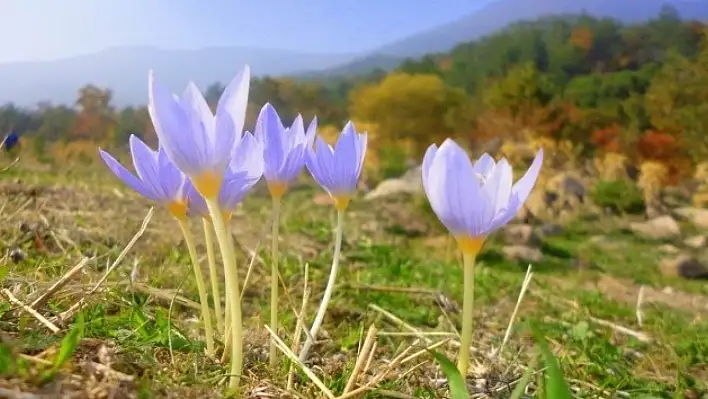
{"x": 556, "y": 386}
{"x": 458, "y": 387}
{"x": 523, "y": 382}
{"x": 68, "y": 347}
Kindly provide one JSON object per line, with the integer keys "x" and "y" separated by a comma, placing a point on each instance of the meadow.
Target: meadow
{"x": 619, "y": 323}
{"x": 607, "y": 259}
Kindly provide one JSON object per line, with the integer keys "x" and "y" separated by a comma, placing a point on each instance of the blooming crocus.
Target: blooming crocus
{"x": 158, "y": 179}
{"x": 284, "y": 149}
{"x": 337, "y": 170}
{"x": 200, "y": 144}
{"x": 284, "y": 152}
{"x": 472, "y": 201}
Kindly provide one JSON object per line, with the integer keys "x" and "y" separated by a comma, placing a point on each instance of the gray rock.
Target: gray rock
{"x": 683, "y": 266}
{"x": 661, "y": 228}
{"x": 521, "y": 253}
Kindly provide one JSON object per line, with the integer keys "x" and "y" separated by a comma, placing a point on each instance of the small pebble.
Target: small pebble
{"x": 17, "y": 255}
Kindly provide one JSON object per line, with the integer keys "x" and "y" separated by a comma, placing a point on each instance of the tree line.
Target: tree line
{"x": 641, "y": 90}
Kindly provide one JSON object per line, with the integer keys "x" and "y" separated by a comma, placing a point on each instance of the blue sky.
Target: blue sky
{"x": 50, "y": 29}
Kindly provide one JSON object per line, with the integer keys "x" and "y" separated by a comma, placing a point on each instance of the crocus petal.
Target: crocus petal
{"x": 442, "y": 193}
{"x": 231, "y": 112}
{"x": 172, "y": 180}
{"x": 126, "y": 177}
{"x": 171, "y": 126}
{"x": 201, "y": 125}
{"x": 145, "y": 164}
{"x": 522, "y": 188}
{"x": 498, "y": 186}
{"x": 425, "y": 167}
{"x": 269, "y": 130}
{"x": 484, "y": 165}
{"x": 247, "y": 157}
{"x": 311, "y": 132}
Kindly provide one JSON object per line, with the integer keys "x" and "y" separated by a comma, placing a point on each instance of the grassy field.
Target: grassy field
{"x": 141, "y": 335}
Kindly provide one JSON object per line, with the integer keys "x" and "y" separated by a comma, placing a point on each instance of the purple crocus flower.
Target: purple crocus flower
{"x": 199, "y": 142}
{"x": 284, "y": 148}
{"x": 338, "y": 169}
{"x": 473, "y": 200}
{"x": 158, "y": 179}
{"x": 242, "y": 173}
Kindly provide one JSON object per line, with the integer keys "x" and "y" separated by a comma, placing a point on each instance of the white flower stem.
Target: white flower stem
{"x": 228, "y": 256}
{"x": 201, "y": 286}
{"x": 273, "y": 354}
{"x": 463, "y": 360}
{"x": 226, "y": 355}
{"x": 216, "y": 294}
{"x": 328, "y": 290}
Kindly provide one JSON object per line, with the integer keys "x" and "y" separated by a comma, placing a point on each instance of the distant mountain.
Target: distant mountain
{"x": 500, "y": 14}
{"x": 356, "y": 66}
{"x": 125, "y": 70}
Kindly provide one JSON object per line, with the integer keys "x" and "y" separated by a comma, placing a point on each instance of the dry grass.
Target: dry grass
{"x": 67, "y": 243}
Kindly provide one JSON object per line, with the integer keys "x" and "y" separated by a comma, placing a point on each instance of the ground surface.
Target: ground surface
{"x": 135, "y": 344}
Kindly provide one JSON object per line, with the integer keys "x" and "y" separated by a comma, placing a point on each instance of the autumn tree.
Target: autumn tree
{"x": 95, "y": 120}
{"x": 677, "y": 101}
{"x": 403, "y": 106}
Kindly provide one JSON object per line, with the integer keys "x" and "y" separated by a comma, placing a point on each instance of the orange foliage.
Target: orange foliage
{"x": 665, "y": 148}
{"x": 581, "y": 37}
{"x": 608, "y": 138}
{"x": 658, "y": 146}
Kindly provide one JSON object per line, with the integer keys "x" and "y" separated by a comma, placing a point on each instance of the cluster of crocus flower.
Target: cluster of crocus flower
{"x": 204, "y": 167}
{"x": 206, "y": 164}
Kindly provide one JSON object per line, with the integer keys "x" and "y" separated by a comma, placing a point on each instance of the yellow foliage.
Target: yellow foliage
{"x": 701, "y": 173}
{"x": 652, "y": 177}
{"x": 700, "y": 198}
{"x": 85, "y": 151}
{"x": 611, "y": 166}
{"x": 562, "y": 154}
{"x": 419, "y": 108}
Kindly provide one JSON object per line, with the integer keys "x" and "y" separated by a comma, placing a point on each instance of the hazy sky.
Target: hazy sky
{"x": 49, "y": 29}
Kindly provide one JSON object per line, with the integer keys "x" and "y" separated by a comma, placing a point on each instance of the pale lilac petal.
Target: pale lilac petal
{"x": 362, "y": 141}
{"x": 270, "y": 131}
{"x": 320, "y": 163}
{"x": 445, "y": 206}
{"x": 231, "y": 113}
{"x": 128, "y": 178}
{"x": 248, "y": 157}
{"x": 522, "y": 188}
{"x": 498, "y": 186}
{"x": 484, "y": 165}
{"x": 231, "y": 109}
{"x": 172, "y": 126}
{"x": 172, "y": 180}
{"x": 311, "y": 132}
{"x": 346, "y": 162}
{"x": 425, "y": 167}
{"x": 145, "y": 163}
{"x": 293, "y": 165}
{"x": 468, "y": 205}
{"x": 201, "y": 124}
{"x": 235, "y": 189}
